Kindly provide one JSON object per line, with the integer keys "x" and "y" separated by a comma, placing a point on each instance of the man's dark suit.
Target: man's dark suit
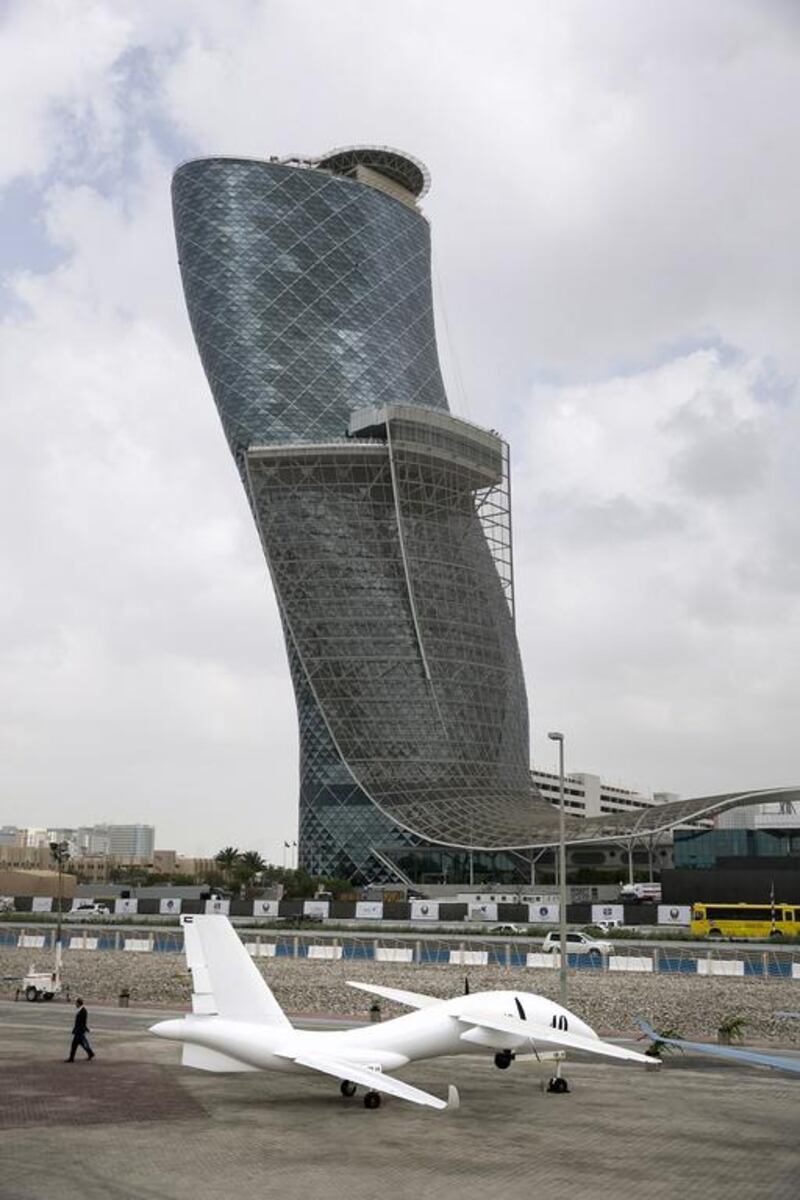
{"x": 79, "y": 1031}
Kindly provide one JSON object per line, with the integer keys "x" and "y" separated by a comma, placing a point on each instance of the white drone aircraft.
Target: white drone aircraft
{"x": 236, "y": 1024}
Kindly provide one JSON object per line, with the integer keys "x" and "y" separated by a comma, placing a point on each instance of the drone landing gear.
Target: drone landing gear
{"x": 347, "y": 1088}
{"x": 503, "y": 1059}
{"x": 372, "y": 1100}
{"x": 556, "y": 1084}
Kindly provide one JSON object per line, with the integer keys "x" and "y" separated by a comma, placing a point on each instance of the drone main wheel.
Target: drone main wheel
{"x": 372, "y": 1100}
{"x": 347, "y": 1088}
{"x": 502, "y": 1059}
{"x": 557, "y": 1086}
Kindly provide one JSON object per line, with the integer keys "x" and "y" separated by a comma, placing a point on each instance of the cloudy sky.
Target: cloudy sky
{"x": 614, "y": 208}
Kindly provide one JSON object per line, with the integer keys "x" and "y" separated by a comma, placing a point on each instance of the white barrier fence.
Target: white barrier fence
{"x": 720, "y": 966}
{"x": 629, "y": 962}
{"x": 499, "y": 954}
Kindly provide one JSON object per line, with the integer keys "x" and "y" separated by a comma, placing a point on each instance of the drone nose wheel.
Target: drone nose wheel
{"x": 557, "y": 1086}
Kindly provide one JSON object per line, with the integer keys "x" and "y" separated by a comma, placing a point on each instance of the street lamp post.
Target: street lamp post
{"x": 59, "y": 851}
{"x": 562, "y": 871}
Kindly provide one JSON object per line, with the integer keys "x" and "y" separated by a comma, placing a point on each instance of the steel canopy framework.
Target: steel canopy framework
{"x": 647, "y": 821}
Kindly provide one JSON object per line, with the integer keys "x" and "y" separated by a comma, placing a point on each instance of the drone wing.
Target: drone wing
{"x": 410, "y": 999}
{"x": 545, "y": 1035}
{"x": 733, "y": 1054}
{"x": 374, "y": 1080}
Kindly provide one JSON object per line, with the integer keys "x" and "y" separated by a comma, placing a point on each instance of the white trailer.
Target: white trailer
{"x": 43, "y": 985}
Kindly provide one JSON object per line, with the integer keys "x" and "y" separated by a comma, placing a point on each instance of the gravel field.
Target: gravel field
{"x": 694, "y": 1006}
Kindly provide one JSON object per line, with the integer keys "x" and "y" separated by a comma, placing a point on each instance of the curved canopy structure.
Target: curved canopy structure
{"x": 656, "y": 818}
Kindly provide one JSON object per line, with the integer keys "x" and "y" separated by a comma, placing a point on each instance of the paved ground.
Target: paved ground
{"x": 132, "y": 1125}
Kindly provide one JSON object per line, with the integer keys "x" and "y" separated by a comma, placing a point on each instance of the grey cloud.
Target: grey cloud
{"x": 724, "y": 463}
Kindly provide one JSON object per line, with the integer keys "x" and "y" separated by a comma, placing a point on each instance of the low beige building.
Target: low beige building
{"x": 15, "y": 882}
{"x": 25, "y": 858}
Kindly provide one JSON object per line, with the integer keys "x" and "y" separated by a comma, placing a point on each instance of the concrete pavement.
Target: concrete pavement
{"x": 132, "y": 1125}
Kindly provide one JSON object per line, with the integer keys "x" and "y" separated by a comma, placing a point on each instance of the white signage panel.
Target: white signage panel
{"x": 369, "y": 910}
{"x": 424, "y": 910}
{"x": 483, "y": 912}
{"x": 169, "y": 907}
{"x": 223, "y": 907}
{"x": 42, "y": 904}
{"x": 126, "y": 907}
{"x": 543, "y": 914}
{"x": 674, "y": 914}
{"x": 316, "y": 908}
{"x": 607, "y": 912}
{"x": 265, "y": 908}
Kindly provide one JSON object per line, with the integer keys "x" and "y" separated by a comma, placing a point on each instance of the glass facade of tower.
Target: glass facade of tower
{"x": 385, "y": 521}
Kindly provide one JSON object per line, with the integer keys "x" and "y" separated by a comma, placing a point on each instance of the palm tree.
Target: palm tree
{"x": 228, "y": 859}
{"x": 249, "y": 865}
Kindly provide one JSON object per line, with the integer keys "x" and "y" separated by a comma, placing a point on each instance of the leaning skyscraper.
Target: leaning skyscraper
{"x": 385, "y": 521}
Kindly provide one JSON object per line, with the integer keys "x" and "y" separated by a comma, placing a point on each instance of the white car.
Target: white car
{"x": 515, "y": 929}
{"x": 577, "y": 943}
{"x": 89, "y": 910}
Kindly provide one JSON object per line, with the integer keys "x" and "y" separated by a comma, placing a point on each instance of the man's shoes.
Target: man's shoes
{"x": 91, "y": 1056}
{"x": 69, "y": 1060}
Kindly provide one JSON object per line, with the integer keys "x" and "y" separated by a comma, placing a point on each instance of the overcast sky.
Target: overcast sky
{"x": 614, "y": 206}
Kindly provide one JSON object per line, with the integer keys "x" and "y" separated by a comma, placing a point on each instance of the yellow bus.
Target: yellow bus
{"x": 746, "y": 920}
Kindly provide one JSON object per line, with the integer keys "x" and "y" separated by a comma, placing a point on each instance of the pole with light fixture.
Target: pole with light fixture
{"x": 562, "y": 871}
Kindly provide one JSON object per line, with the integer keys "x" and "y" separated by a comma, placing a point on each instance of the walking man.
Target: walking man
{"x": 79, "y": 1031}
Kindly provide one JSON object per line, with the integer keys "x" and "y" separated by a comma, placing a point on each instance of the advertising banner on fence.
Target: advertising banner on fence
{"x": 674, "y": 914}
{"x": 543, "y": 914}
{"x": 265, "y": 908}
{"x": 126, "y": 907}
{"x": 315, "y": 908}
{"x": 424, "y": 910}
{"x": 369, "y": 910}
{"x": 218, "y": 906}
{"x": 483, "y": 912}
{"x": 42, "y": 904}
{"x": 608, "y": 912}
{"x": 170, "y": 907}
